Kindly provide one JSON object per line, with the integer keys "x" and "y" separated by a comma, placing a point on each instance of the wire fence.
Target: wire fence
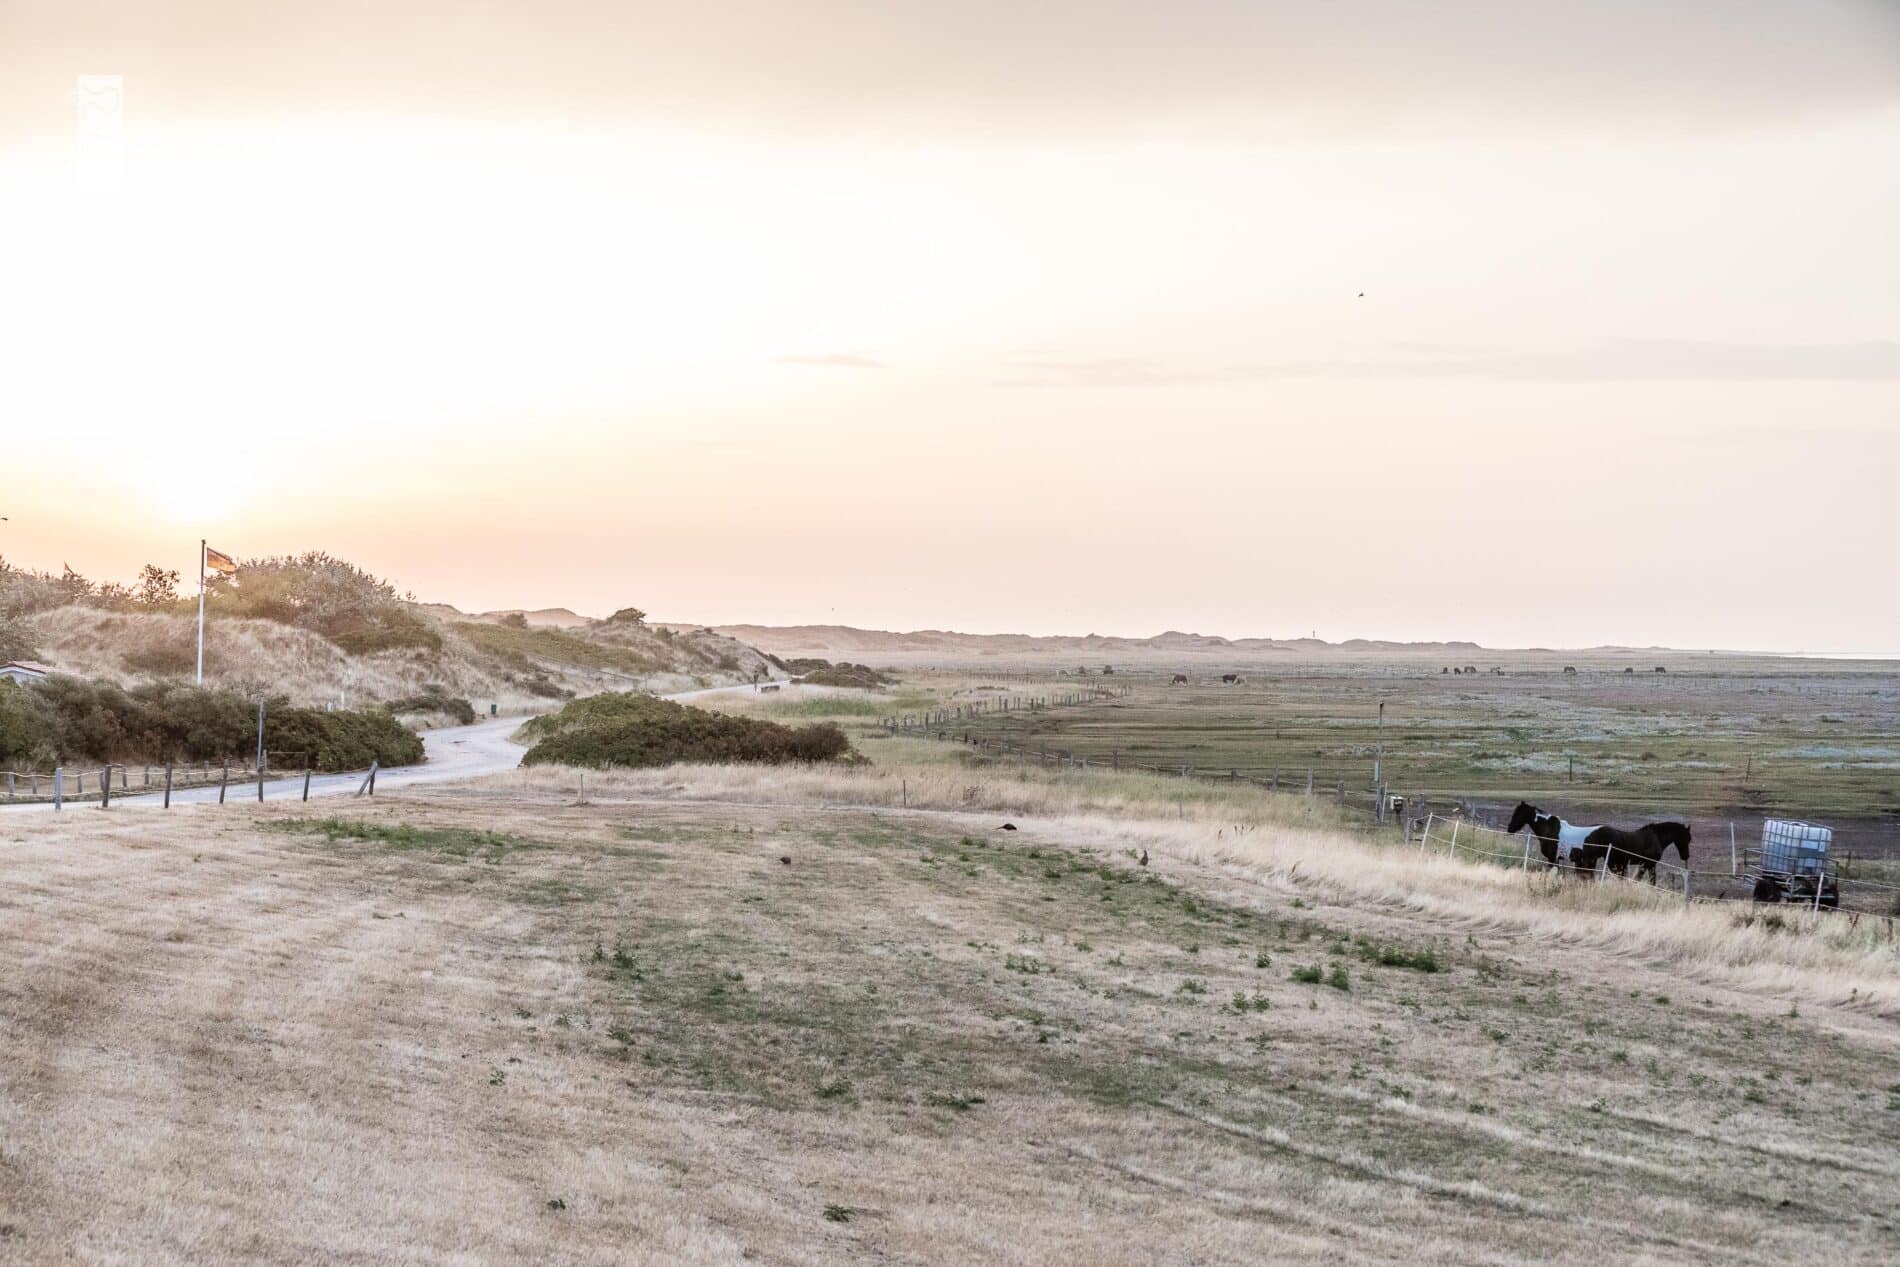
{"x": 1476, "y": 842}
{"x": 112, "y": 781}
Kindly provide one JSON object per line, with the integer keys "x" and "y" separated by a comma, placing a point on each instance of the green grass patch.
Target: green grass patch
{"x": 455, "y": 842}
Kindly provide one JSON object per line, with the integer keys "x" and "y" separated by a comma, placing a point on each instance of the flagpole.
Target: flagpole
{"x": 201, "y": 611}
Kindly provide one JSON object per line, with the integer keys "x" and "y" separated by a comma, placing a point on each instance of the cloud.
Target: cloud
{"x": 1604, "y": 360}
{"x": 834, "y": 360}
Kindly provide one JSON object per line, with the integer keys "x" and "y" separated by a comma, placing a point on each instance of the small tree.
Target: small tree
{"x": 628, "y": 616}
{"x": 73, "y": 588}
{"x": 157, "y": 587}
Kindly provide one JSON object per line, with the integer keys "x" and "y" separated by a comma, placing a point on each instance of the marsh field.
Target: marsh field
{"x": 1713, "y": 743}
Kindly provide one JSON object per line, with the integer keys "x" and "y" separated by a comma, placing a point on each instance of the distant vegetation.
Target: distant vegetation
{"x": 639, "y": 730}
{"x": 844, "y": 673}
{"x": 65, "y": 719}
{"x": 433, "y": 698}
{"x": 359, "y": 612}
{"x": 319, "y": 629}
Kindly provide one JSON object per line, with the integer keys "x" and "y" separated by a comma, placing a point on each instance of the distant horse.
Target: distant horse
{"x": 1230, "y": 678}
{"x": 1557, "y": 838}
{"x": 1570, "y": 670}
{"x": 1644, "y": 846}
{"x": 1180, "y": 679}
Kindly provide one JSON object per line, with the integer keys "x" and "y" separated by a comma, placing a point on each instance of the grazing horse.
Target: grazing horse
{"x": 1230, "y": 678}
{"x": 1556, "y": 837}
{"x": 1644, "y": 846}
{"x": 1180, "y": 679}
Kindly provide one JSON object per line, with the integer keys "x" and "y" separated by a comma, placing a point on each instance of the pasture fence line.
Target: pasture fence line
{"x": 106, "y": 781}
{"x": 939, "y": 718}
{"x": 1529, "y": 852}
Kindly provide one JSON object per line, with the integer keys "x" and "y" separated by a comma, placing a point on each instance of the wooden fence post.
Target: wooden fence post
{"x": 260, "y": 783}
{"x": 105, "y": 788}
{"x": 306, "y": 783}
{"x": 168, "y": 785}
{"x": 224, "y": 781}
{"x": 59, "y": 787}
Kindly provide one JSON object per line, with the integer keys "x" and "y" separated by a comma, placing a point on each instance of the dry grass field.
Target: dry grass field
{"x": 723, "y": 1015}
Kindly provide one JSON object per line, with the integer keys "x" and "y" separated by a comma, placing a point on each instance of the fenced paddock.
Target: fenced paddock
{"x": 1454, "y": 837}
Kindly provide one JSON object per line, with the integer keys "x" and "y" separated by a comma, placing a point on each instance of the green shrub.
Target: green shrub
{"x": 26, "y": 728}
{"x": 340, "y": 739}
{"x": 17, "y": 641}
{"x": 434, "y": 698}
{"x": 639, "y": 730}
{"x": 65, "y": 719}
{"x": 860, "y": 676}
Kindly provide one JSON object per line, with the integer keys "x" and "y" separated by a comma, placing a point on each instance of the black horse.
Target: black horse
{"x": 1645, "y": 846}
{"x": 1557, "y": 837}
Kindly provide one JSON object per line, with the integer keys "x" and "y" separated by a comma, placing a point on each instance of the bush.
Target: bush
{"x": 64, "y": 719}
{"x": 359, "y": 612}
{"x": 26, "y": 728}
{"x": 17, "y": 641}
{"x": 433, "y": 698}
{"x": 340, "y": 739}
{"x": 860, "y": 676}
{"x": 639, "y": 730}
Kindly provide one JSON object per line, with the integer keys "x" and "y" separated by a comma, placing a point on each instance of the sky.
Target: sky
{"x": 1522, "y": 321}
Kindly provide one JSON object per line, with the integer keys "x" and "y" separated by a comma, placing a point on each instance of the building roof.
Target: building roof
{"x": 30, "y": 666}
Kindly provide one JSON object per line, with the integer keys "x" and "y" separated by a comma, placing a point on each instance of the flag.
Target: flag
{"x": 219, "y": 562}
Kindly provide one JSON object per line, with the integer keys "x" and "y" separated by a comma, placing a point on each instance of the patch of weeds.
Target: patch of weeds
{"x": 834, "y": 1089}
{"x": 1421, "y": 960}
{"x": 556, "y": 1204}
{"x": 1263, "y": 960}
{"x": 1028, "y": 965}
{"x": 498, "y": 1077}
{"x": 1256, "y": 1002}
{"x": 1191, "y": 986}
{"x": 1338, "y": 978}
{"x": 955, "y": 1103}
{"x": 838, "y": 1213}
{"x": 1310, "y": 975}
{"x": 456, "y": 842}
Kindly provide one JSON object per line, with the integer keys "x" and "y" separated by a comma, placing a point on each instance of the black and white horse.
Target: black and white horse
{"x": 1560, "y": 840}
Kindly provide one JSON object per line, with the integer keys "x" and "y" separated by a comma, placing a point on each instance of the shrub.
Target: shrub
{"x": 359, "y": 612}
{"x": 434, "y": 698}
{"x": 846, "y": 674}
{"x": 26, "y": 728}
{"x": 17, "y": 641}
{"x": 639, "y": 730}
{"x": 340, "y": 739}
{"x": 66, "y": 719}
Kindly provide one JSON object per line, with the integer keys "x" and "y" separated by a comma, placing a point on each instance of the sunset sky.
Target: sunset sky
{"x": 1515, "y": 320}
